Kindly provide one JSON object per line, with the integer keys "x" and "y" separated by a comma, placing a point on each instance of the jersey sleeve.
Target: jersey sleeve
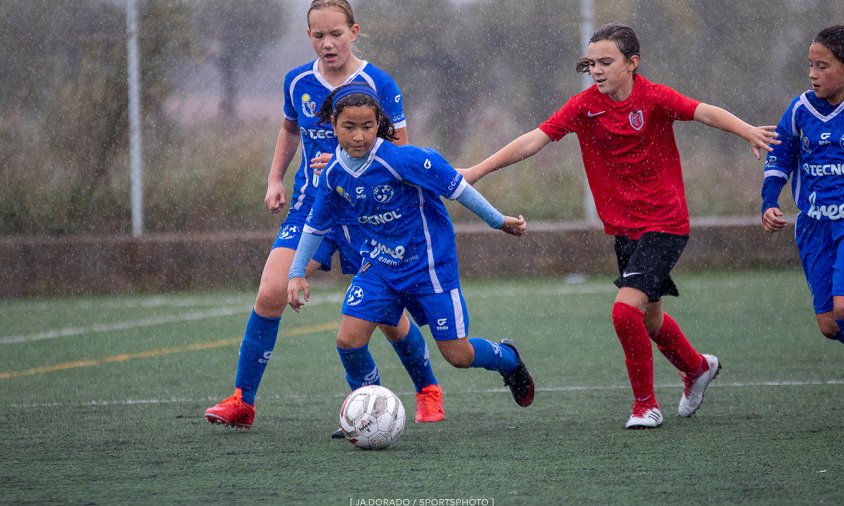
{"x": 393, "y": 103}
{"x": 676, "y": 105}
{"x": 781, "y": 162}
{"x": 289, "y": 107}
{"x": 426, "y": 168}
{"x": 562, "y": 122}
{"x": 328, "y": 203}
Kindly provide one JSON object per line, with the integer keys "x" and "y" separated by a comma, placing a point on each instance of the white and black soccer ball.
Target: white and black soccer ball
{"x": 372, "y": 417}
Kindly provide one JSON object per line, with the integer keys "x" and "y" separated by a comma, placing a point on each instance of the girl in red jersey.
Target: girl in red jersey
{"x": 624, "y": 126}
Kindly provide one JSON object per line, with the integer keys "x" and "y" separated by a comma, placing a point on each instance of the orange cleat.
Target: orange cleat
{"x": 232, "y": 412}
{"x": 429, "y": 405}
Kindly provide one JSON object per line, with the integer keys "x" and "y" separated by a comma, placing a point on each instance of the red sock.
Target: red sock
{"x": 630, "y": 328}
{"x": 677, "y": 349}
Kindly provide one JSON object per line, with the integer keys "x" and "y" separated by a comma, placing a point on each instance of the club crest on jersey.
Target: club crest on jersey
{"x": 637, "y": 119}
{"x": 288, "y": 232}
{"x": 841, "y": 141}
{"x": 344, "y": 194}
{"x": 383, "y": 193}
{"x": 804, "y": 142}
{"x": 308, "y": 106}
{"x": 354, "y": 295}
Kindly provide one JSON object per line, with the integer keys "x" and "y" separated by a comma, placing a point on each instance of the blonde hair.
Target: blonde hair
{"x": 342, "y": 5}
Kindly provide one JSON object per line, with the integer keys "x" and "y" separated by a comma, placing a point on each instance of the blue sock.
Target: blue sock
{"x": 493, "y": 356}
{"x": 840, "y": 335}
{"x": 255, "y": 351}
{"x": 413, "y": 353}
{"x": 360, "y": 367}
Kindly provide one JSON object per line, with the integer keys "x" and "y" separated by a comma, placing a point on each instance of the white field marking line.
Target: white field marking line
{"x": 265, "y": 398}
{"x": 230, "y": 310}
{"x": 128, "y": 303}
{"x": 147, "y": 322}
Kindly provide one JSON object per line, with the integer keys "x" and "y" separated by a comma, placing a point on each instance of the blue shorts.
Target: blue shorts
{"x": 370, "y": 297}
{"x": 345, "y": 239}
{"x": 822, "y": 254}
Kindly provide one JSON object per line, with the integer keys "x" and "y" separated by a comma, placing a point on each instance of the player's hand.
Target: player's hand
{"x": 772, "y": 220}
{"x": 469, "y": 175}
{"x": 514, "y": 226}
{"x": 276, "y": 197}
{"x": 294, "y": 286}
{"x": 318, "y": 163}
{"x": 763, "y": 137}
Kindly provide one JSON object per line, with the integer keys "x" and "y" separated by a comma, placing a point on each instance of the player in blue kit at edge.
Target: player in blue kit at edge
{"x": 812, "y": 155}
{"x": 410, "y": 254}
{"x": 332, "y": 30}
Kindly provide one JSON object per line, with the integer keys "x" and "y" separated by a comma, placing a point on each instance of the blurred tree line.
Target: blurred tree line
{"x": 474, "y": 75}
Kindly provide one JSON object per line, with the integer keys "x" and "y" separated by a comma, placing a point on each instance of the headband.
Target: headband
{"x": 351, "y": 89}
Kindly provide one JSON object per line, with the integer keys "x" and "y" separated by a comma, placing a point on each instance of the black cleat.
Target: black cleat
{"x": 519, "y": 381}
{"x": 338, "y": 434}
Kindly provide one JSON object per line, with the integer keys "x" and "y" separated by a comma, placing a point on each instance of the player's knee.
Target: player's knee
{"x": 461, "y": 361}
{"x": 270, "y": 301}
{"x": 828, "y": 328}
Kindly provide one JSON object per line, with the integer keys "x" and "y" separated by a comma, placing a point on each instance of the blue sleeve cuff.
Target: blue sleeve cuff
{"x": 771, "y": 189}
{"x": 472, "y": 200}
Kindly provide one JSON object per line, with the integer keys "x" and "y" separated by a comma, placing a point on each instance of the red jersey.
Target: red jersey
{"x": 630, "y": 155}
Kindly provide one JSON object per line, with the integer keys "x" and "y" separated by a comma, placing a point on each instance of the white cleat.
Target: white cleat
{"x": 650, "y": 418}
{"x": 693, "y": 392}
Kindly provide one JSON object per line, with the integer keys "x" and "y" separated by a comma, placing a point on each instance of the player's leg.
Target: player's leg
{"x": 258, "y": 342}
{"x": 409, "y": 344}
{"x": 406, "y": 338}
{"x": 448, "y": 320}
{"x": 353, "y": 349}
{"x": 818, "y": 255}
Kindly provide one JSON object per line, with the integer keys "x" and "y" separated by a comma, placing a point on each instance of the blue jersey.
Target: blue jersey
{"x": 395, "y": 196}
{"x": 305, "y": 89}
{"x": 812, "y": 155}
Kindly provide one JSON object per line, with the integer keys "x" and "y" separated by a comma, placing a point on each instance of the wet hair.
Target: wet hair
{"x": 341, "y": 5}
{"x": 832, "y": 38}
{"x": 623, "y": 36}
{"x": 330, "y": 110}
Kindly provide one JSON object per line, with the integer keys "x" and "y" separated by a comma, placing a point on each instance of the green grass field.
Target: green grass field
{"x": 103, "y": 402}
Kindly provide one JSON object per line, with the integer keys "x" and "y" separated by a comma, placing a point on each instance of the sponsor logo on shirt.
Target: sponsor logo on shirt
{"x": 378, "y": 248}
{"x": 825, "y": 139}
{"x": 379, "y": 219}
{"x": 359, "y": 192}
{"x": 826, "y": 169}
{"x": 427, "y": 163}
{"x": 316, "y": 133}
{"x": 833, "y": 212}
{"x": 637, "y": 119}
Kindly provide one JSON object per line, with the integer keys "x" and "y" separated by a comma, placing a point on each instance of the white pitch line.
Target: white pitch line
{"x": 146, "y": 322}
{"x": 574, "y": 388}
{"x": 229, "y": 310}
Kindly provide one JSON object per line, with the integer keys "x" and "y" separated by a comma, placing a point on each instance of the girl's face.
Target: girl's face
{"x": 611, "y": 71}
{"x": 331, "y": 37}
{"x": 356, "y": 128}
{"x": 826, "y": 73}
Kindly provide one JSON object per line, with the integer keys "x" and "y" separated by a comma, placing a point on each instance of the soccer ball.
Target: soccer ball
{"x": 372, "y": 417}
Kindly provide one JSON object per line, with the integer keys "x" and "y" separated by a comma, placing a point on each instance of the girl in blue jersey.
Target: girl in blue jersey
{"x": 410, "y": 254}
{"x": 812, "y": 155}
{"x": 332, "y": 30}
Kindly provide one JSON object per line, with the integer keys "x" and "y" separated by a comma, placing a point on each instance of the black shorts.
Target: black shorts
{"x": 645, "y": 264}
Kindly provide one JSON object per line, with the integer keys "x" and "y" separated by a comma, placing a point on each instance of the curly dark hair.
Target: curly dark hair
{"x": 832, "y": 38}
{"x": 386, "y": 129}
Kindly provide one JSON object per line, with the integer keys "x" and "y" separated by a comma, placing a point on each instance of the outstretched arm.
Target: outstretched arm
{"x": 472, "y": 200}
{"x": 522, "y": 147}
{"x": 759, "y": 137}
